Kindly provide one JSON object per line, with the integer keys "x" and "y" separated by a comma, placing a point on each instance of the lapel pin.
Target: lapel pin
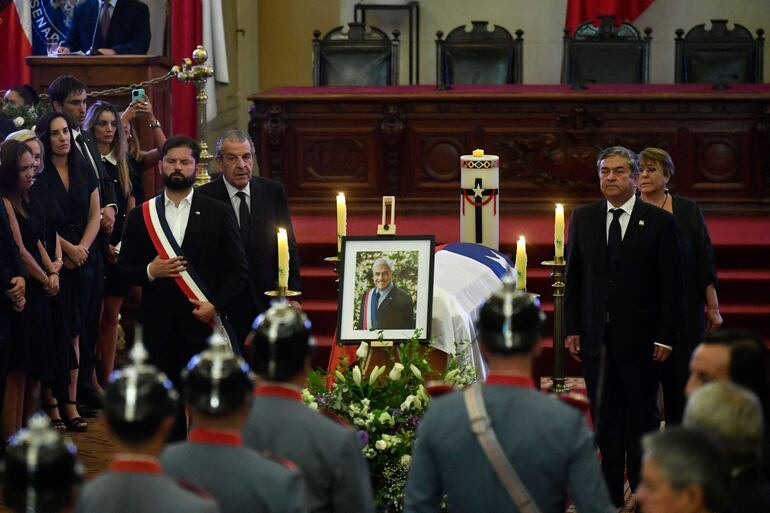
{"x": 641, "y": 222}
{"x": 197, "y": 213}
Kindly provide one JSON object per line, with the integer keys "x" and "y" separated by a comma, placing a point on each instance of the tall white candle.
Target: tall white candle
{"x": 521, "y": 263}
{"x": 283, "y": 258}
{"x": 558, "y": 232}
{"x": 342, "y": 220}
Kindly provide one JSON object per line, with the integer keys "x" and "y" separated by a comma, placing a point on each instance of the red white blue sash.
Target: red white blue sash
{"x": 366, "y": 314}
{"x": 188, "y": 281}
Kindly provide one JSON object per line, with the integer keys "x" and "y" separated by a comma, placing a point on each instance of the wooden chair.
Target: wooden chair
{"x": 480, "y": 56}
{"x": 606, "y": 54}
{"x": 719, "y": 55}
{"x": 357, "y": 57}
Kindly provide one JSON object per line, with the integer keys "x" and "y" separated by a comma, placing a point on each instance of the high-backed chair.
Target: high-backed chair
{"x": 480, "y": 56}
{"x": 606, "y": 54}
{"x": 718, "y": 56}
{"x": 357, "y": 56}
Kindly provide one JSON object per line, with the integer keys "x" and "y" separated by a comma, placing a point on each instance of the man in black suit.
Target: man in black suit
{"x": 260, "y": 208}
{"x": 94, "y": 32}
{"x": 622, "y": 302}
{"x": 385, "y": 307}
{"x": 176, "y": 327}
{"x": 68, "y": 95}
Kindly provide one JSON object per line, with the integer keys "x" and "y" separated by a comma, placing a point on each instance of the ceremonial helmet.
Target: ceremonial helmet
{"x": 281, "y": 342}
{"x": 216, "y": 381}
{"x": 138, "y": 397}
{"x": 42, "y": 469}
{"x": 510, "y": 321}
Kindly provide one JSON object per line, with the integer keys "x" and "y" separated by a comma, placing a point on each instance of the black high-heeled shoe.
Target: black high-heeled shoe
{"x": 75, "y": 424}
{"x": 55, "y": 424}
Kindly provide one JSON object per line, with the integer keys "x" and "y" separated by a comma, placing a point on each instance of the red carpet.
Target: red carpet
{"x": 741, "y": 245}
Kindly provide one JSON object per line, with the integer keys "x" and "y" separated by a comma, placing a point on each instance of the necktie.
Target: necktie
{"x": 244, "y": 218}
{"x": 104, "y": 19}
{"x": 615, "y": 239}
{"x": 375, "y": 303}
{"x": 87, "y": 156}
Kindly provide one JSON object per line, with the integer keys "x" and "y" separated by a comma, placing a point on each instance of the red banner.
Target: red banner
{"x": 579, "y": 11}
{"x": 185, "y": 36}
{"x": 14, "y": 44}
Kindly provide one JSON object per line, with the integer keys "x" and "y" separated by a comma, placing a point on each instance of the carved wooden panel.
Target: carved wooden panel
{"x": 409, "y": 144}
{"x": 435, "y": 156}
{"x": 326, "y": 160}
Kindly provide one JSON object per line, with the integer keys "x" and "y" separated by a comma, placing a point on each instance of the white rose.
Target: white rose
{"x": 385, "y": 418}
{"x": 18, "y": 122}
{"x": 406, "y": 460}
{"x": 381, "y": 445}
{"x": 415, "y": 371}
{"x": 395, "y": 372}
{"x": 313, "y": 405}
{"x": 357, "y": 375}
{"x": 407, "y": 402}
{"x": 362, "y": 350}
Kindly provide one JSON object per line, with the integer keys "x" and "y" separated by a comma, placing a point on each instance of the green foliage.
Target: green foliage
{"x": 385, "y": 406}
{"x": 23, "y": 116}
{"x": 404, "y": 278}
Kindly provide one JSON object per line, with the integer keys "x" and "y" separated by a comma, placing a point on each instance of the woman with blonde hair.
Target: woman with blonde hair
{"x": 103, "y": 121}
{"x": 35, "y": 145}
{"x": 654, "y": 182}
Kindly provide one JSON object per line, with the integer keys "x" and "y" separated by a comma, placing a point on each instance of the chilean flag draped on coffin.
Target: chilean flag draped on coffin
{"x": 579, "y": 11}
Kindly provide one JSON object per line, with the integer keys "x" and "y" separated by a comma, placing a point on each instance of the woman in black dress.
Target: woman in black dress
{"x": 75, "y": 192}
{"x": 103, "y": 121}
{"x": 701, "y": 305}
{"x": 34, "y": 230}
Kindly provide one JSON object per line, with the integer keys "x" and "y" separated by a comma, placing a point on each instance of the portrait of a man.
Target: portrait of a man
{"x": 385, "y": 306}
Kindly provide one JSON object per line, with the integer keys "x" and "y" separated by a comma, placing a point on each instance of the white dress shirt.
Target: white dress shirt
{"x": 235, "y": 201}
{"x": 625, "y": 217}
{"x": 176, "y": 217}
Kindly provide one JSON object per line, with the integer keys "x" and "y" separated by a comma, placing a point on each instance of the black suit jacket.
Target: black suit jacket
{"x": 269, "y": 211}
{"x": 211, "y": 245}
{"x": 129, "y": 31}
{"x": 395, "y": 313}
{"x": 642, "y": 298}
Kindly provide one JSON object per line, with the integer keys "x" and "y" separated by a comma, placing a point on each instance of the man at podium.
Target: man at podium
{"x": 93, "y": 32}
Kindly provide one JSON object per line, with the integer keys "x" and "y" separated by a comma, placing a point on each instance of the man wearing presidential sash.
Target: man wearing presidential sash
{"x": 185, "y": 251}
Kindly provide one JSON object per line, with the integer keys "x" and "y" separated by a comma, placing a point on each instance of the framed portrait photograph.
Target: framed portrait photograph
{"x": 386, "y": 285}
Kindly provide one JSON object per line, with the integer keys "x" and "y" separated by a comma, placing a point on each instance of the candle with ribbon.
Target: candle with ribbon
{"x": 283, "y": 259}
{"x": 558, "y": 232}
{"x": 521, "y": 263}
{"x": 342, "y": 220}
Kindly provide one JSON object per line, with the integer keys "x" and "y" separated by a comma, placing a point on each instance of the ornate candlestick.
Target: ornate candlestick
{"x": 557, "y": 267}
{"x": 198, "y": 74}
{"x": 283, "y": 292}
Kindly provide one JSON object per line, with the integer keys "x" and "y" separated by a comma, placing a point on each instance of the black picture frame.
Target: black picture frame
{"x": 413, "y": 259}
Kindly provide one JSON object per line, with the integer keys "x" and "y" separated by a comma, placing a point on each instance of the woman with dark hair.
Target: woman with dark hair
{"x": 701, "y": 306}
{"x": 75, "y": 192}
{"x": 103, "y": 121}
{"x": 34, "y": 231}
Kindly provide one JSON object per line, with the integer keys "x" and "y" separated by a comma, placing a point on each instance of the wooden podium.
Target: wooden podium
{"x": 107, "y": 72}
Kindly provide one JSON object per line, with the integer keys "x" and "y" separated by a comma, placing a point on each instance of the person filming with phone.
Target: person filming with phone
{"x": 93, "y": 32}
